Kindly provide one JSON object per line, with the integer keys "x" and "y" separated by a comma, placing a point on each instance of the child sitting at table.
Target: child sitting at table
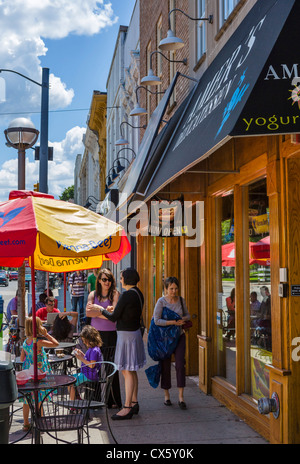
{"x": 90, "y": 360}
{"x": 26, "y": 357}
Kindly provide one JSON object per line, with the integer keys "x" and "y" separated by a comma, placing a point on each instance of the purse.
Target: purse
{"x": 188, "y": 324}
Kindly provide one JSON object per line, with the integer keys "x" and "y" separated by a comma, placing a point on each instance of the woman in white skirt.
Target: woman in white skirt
{"x": 130, "y": 353}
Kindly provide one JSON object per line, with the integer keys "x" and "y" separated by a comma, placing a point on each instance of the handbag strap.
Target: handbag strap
{"x": 141, "y": 303}
{"x": 181, "y": 302}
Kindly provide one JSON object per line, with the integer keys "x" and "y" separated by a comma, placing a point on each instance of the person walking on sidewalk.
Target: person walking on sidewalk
{"x": 173, "y": 301}
{"x": 92, "y": 279}
{"x": 77, "y": 283}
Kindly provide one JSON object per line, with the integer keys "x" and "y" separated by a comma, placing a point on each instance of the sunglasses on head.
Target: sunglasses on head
{"x": 105, "y": 279}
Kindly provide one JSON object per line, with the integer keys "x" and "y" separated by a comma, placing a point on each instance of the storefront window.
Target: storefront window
{"x": 259, "y": 289}
{"x": 226, "y": 294}
{"x": 154, "y": 298}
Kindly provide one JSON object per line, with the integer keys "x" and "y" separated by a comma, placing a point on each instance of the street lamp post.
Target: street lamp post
{"x": 43, "y": 174}
{"x": 43, "y": 180}
{"x": 43, "y": 167}
{"x": 21, "y": 135}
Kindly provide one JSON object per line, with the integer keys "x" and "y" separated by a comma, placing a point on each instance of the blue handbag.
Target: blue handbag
{"x": 162, "y": 340}
{"x": 153, "y": 375}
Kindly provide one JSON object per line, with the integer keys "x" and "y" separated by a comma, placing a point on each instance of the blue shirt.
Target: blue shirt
{"x": 12, "y": 306}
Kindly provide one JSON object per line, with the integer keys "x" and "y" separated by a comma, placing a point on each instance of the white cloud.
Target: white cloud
{"x": 24, "y": 25}
{"x": 60, "y": 170}
{"x": 55, "y": 19}
{"x": 70, "y": 146}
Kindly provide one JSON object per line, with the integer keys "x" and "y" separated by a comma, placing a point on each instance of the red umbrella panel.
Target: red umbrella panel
{"x": 55, "y": 236}
{"x": 259, "y": 253}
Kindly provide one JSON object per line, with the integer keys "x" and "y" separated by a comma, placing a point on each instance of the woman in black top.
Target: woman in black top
{"x": 130, "y": 353}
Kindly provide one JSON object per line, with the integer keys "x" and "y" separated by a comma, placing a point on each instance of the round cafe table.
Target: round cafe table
{"x": 53, "y": 361}
{"x": 62, "y": 346}
{"x": 49, "y": 382}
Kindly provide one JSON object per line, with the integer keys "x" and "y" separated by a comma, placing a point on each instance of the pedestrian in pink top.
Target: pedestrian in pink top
{"x": 105, "y": 295}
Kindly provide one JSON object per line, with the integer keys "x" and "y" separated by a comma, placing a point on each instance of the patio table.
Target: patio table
{"x": 52, "y": 359}
{"x": 49, "y": 382}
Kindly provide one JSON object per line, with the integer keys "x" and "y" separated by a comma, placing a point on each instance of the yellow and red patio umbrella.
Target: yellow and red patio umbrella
{"x": 56, "y": 236}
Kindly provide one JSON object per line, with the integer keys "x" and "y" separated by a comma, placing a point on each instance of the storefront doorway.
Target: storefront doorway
{"x": 226, "y": 293}
{"x": 258, "y": 316}
{"x": 253, "y": 307}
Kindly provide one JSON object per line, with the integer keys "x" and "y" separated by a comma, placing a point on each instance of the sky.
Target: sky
{"x": 75, "y": 39}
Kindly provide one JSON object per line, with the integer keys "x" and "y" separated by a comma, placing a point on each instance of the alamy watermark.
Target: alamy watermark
{"x": 159, "y": 218}
{"x": 296, "y": 351}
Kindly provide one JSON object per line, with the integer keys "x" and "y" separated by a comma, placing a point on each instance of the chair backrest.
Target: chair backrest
{"x": 98, "y": 391}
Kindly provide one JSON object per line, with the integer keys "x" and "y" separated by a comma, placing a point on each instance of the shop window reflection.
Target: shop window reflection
{"x": 259, "y": 289}
{"x": 226, "y": 296}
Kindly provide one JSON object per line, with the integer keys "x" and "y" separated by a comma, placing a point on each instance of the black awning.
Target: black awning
{"x": 235, "y": 88}
{"x": 159, "y": 147}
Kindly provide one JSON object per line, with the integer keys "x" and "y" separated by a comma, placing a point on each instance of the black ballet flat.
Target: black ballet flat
{"x": 135, "y": 409}
{"x": 125, "y": 417}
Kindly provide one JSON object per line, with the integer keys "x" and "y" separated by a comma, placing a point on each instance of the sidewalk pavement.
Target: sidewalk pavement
{"x": 205, "y": 421}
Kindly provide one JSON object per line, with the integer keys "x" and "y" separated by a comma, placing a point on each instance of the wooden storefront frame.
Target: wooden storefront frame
{"x": 234, "y": 397}
{"x": 271, "y": 157}
{"x": 280, "y": 164}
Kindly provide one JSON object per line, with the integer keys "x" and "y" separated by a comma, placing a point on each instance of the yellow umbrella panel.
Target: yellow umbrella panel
{"x": 64, "y": 263}
{"x": 66, "y": 230}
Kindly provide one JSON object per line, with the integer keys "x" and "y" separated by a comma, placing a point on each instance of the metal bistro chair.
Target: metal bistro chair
{"x": 100, "y": 391}
{"x": 58, "y": 413}
{"x": 15, "y": 419}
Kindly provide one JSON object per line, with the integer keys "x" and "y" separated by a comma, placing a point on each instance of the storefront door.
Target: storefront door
{"x": 258, "y": 345}
{"x": 249, "y": 340}
{"x": 226, "y": 338}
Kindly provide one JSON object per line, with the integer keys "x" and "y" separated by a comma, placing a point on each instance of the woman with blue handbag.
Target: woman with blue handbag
{"x": 173, "y": 301}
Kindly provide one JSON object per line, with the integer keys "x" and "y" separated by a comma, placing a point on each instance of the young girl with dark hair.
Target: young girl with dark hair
{"x": 63, "y": 328}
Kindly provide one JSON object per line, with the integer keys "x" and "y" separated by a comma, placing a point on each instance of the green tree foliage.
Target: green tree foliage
{"x": 67, "y": 194}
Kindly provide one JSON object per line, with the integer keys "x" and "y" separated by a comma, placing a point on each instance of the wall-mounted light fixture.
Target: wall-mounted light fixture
{"x": 137, "y": 110}
{"x": 119, "y": 168}
{"x": 122, "y": 140}
{"x": 126, "y": 148}
{"x": 93, "y": 199}
{"x": 171, "y": 42}
{"x": 111, "y": 179}
{"x": 151, "y": 79}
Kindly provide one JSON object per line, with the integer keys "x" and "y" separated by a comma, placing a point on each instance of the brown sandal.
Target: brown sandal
{"x": 26, "y": 427}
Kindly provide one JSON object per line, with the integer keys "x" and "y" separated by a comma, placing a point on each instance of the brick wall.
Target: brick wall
{"x": 150, "y": 12}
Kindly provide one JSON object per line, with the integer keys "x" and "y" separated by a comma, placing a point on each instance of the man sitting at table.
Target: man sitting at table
{"x": 49, "y": 308}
